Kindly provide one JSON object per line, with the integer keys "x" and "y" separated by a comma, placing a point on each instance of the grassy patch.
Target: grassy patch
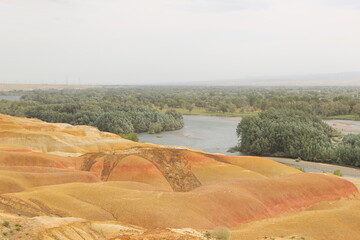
{"x": 301, "y": 169}
{"x": 220, "y": 233}
{"x": 6, "y": 223}
{"x": 344, "y": 117}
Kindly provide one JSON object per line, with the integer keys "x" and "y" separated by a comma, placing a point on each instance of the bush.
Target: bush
{"x": 338, "y": 173}
{"x": 207, "y": 235}
{"x": 221, "y": 233}
{"x": 130, "y": 136}
{"x": 6, "y": 223}
{"x": 301, "y": 169}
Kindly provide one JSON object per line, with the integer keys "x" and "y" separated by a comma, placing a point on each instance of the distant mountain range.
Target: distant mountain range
{"x": 329, "y": 79}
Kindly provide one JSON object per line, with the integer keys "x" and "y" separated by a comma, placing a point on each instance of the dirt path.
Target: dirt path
{"x": 321, "y": 167}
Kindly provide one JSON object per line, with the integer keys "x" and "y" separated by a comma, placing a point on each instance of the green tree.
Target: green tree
{"x": 115, "y": 122}
{"x": 286, "y": 133}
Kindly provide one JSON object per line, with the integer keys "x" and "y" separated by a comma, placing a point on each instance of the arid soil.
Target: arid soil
{"x": 59, "y": 181}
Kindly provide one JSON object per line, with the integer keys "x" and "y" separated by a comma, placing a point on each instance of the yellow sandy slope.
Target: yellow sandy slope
{"x": 62, "y": 171}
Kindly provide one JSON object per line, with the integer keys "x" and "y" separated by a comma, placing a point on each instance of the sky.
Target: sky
{"x": 170, "y": 41}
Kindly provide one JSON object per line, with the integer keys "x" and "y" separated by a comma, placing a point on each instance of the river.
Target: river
{"x": 210, "y": 134}
{"x": 218, "y": 134}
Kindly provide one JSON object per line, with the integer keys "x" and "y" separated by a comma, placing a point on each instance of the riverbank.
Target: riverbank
{"x": 203, "y": 112}
{"x": 343, "y": 117}
{"x": 344, "y": 127}
{"x": 321, "y": 167}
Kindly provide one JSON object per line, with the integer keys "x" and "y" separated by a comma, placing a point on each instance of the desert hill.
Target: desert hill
{"x": 60, "y": 181}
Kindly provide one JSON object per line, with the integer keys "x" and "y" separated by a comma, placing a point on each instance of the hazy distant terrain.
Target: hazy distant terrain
{"x": 11, "y": 87}
{"x": 330, "y": 79}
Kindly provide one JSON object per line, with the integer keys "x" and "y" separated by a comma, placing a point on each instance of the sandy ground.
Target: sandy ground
{"x": 10, "y": 87}
{"x": 343, "y": 127}
{"x": 328, "y": 168}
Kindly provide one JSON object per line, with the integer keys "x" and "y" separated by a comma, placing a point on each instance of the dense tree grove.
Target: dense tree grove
{"x": 288, "y": 133}
{"x": 296, "y": 134}
{"x": 82, "y": 108}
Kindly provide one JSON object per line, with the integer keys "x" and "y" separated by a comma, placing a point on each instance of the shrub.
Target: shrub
{"x": 301, "y": 169}
{"x": 338, "y": 173}
{"x": 207, "y": 235}
{"x": 130, "y": 136}
{"x": 221, "y": 233}
{"x": 6, "y": 223}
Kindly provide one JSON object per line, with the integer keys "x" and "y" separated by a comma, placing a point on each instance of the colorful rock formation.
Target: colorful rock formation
{"x": 59, "y": 172}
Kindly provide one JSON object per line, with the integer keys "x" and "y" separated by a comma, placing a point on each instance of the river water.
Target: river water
{"x": 210, "y": 134}
{"x": 218, "y": 134}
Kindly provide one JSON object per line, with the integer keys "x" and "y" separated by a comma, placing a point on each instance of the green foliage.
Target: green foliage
{"x": 130, "y": 136}
{"x": 337, "y": 172}
{"x": 301, "y": 169}
{"x": 347, "y": 152}
{"x": 6, "y": 223}
{"x": 288, "y": 133}
{"x": 233, "y": 150}
{"x": 323, "y": 101}
{"x": 115, "y": 122}
{"x": 221, "y": 233}
{"x": 356, "y": 109}
{"x": 155, "y": 127}
{"x": 107, "y": 109}
{"x": 207, "y": 235}
{"x": 296, "y": 134}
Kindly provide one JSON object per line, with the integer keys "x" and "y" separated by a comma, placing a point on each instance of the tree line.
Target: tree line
{"x": 104, "y": 113}
{"x": 296, "y": 134}
{"x": 322, "y": 101}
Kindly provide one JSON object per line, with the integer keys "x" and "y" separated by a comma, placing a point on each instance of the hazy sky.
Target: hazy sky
{"x": 157, "y": 41}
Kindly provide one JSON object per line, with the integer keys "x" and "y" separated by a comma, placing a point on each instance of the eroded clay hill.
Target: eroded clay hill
{"x": 75, "y": 182}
